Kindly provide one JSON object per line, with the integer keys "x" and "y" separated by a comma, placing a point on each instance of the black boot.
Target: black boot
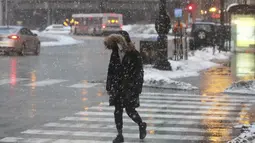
{"x": 142, "y": 129}
{"x": 118, "y": 139}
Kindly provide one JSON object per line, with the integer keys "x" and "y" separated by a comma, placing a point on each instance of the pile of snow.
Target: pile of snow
{"x": 198, "y": 61}
{"x": 247, "y": 136}
{"x": 140, "y": 29}
{"x": 61, "y": 40}
{"x": 243, "y": 87}
{"x": 57, "y": 29}
{"x": 160, "y": 79}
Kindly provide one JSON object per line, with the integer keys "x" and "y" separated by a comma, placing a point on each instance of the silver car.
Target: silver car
{"x": 18, "y": 39}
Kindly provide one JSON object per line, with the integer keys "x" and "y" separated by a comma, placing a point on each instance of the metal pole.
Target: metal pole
{"x": 162, "y": 26}
{"x": 186, "y": 44}
{"x": 222, "y": 17}
{"x": 1, "y": 12}
{"x": 6, "y": 12}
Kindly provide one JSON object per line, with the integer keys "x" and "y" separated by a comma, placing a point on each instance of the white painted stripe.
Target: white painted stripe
{"x": 134, "y": 128}
{"x": 186, "y": 111}
{"x": 163, "y": 116}
{"x": 41, "y": 140}
{"x": 8, "y": 81}
{"x": 192, "y": 102}
{"x": 127, "y": 120}
{"x": 83, "y": 85}
{"x": 197, "y": 96}
{"x": 197, "y": 99}
{"x": 46, "y": 82}
{"x": 22, "y": 140}
{"x": 170, "y": 94}
{"x": 83, "y": 141}
{"x": 109, "y": 134}
{"x": 184, "y": 106}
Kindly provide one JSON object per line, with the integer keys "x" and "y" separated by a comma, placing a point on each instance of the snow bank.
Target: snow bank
{"x": 199, "y": 60}
{"x": 242, "y": 87}
{"x": 248, "y": 136}
{"x": 62, "y": 40}
{"x": 162, "y": 79}
{"x": 142, "y": 31}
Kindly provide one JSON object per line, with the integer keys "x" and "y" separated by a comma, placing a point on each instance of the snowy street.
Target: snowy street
{"x": 60, "y": 97}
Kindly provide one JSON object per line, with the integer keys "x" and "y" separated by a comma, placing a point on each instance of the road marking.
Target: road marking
{"x": 126, "y": 120}
{"x": 197, "y": 96}
{"x": 186, "y": 111}
{"x": 162, "y": 116}
{"x": 46, "y": 82}
{"x": 183, "y": 106}
{"x": 22, "y": 140}
{"x": 83, "y": 85}
{"x": 84, "y": 141}
{"x": 109, "y": 134}
{"x": 196, "y": 99}
{"x": 193, "y": 102}
{"x": 9, "y": 81}
{"x": 130, "y": 127}
{"x": 41, "y": 140}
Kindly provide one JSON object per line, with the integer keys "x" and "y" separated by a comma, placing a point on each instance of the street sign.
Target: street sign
{"x": 178, "y": 12}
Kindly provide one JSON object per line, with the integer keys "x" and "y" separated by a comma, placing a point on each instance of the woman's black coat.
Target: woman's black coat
{"x": 125, "y": 80}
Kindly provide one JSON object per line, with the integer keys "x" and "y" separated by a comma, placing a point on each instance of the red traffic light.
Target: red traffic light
{"x": 190, "y": 7}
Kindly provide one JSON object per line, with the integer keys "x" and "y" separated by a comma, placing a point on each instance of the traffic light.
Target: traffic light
{"x": 190, "y": 7}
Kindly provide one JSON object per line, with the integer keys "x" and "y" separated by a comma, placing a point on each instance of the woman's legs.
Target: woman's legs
{"x": 119, "y": 123}
{"x": 133, "y": 114}
{"x": 118, "y": 116}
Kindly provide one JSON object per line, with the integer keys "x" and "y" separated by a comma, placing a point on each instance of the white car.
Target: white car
{"x": 57, "y": 29}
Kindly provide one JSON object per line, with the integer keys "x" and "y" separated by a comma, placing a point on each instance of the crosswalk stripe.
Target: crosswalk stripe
{"x": 110, "y": 134}
{"x": 186, "y": 111}
{"x": 163, "y": 116}
{"x": 22, "y": 140}
{"x": 196, "y": 95}
{"x": 126, "y": 120}
{"x": 46, "y": 82}
{"x": 192, "y": 102}
{"x": 84, "y": 85}
{"x": 133, "y": 127}
{"x": 41, "y": 140}
{"x": 184, "y": 106}
{"x": 196, "y": 99}
{"x": 8, "y": 81}
{"x": 83, "y": 141}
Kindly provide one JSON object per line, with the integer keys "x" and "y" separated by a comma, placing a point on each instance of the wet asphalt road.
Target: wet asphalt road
{"x": 41, "y": 94}
{"x": 24, "y": 106}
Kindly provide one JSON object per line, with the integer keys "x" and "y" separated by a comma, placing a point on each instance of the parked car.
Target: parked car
{"x": 207, "y": 34}
{"x": 57, "y": 29}
{"x": 18, "y": 39}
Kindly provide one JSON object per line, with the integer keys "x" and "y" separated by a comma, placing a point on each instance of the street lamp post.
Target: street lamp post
{"x": 222, "y": 34}
{"x": 162, "y": 26}
{"x": 6, "y": 13}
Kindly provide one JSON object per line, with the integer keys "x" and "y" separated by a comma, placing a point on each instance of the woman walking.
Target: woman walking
{"x": 124, "y": 81}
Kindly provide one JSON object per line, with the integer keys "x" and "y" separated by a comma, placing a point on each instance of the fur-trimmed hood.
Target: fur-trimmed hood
{"x": 116, "y": 39}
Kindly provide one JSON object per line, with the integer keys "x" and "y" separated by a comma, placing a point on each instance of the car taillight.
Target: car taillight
{"x": 13, "y": 37}
{"x": 103, "y": 26}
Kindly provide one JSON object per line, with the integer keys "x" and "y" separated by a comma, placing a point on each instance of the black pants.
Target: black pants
{"x": 132, "y": 113}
